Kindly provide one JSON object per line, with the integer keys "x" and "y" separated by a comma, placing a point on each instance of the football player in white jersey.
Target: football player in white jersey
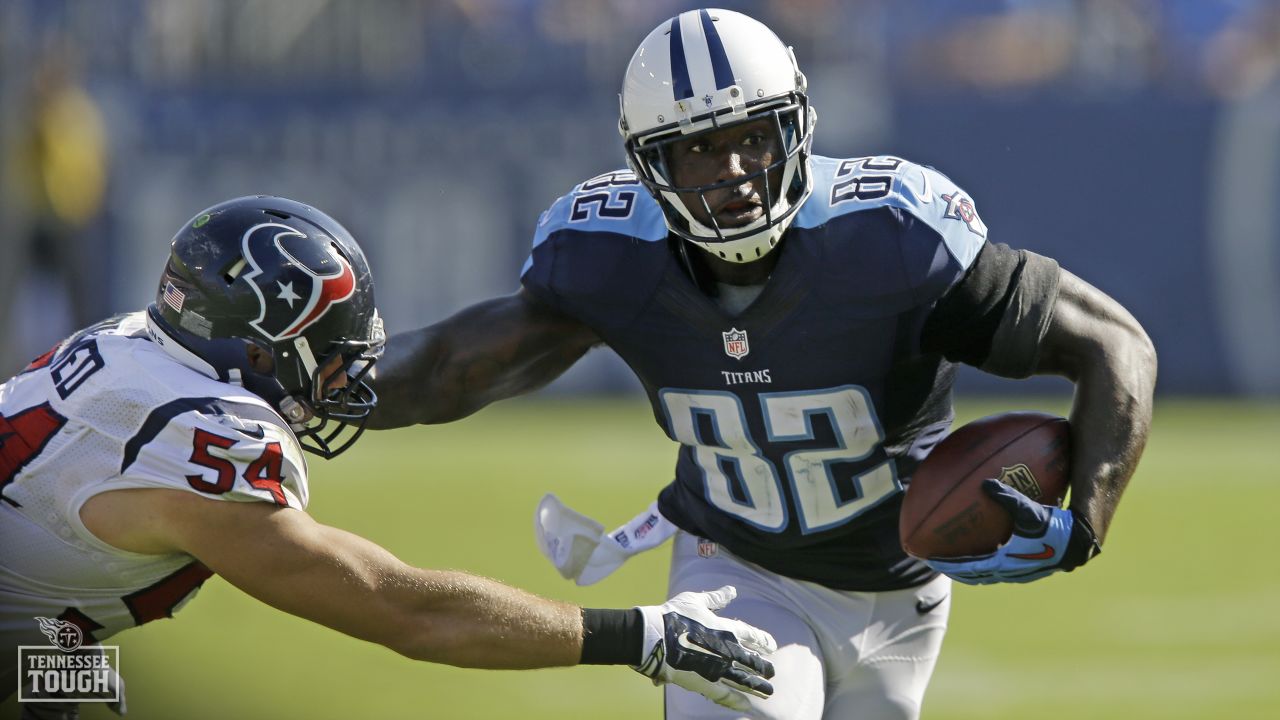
{"x": 150, "y": 451}
{"x": 795, "y": 321}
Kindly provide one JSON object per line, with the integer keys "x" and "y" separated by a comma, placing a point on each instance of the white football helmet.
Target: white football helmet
{"x": 701, "y": 71}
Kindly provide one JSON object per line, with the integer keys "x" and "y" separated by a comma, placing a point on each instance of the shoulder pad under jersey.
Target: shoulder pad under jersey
{"x": 614, "y": 202}
{"x": 223, "y": 448}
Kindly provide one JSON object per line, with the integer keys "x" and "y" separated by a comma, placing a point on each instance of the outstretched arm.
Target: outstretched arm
{"x": 1098, "y": 345}
{"x": 495, "y": 349}
{"x": 286, "y": 559}
{"x": 356, "y": 587}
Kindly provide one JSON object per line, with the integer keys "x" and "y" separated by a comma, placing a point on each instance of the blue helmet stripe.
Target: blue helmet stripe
{"x": 681, "y": 85}
{"x": 719, "y": 58}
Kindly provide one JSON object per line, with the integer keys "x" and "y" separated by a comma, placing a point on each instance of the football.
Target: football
{"x": 946, "y": 514}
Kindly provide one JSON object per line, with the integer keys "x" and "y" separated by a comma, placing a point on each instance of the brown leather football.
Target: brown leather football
{"x": 946, "y": 514}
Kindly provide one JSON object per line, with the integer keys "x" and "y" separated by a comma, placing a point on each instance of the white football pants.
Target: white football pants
{"x": 842, "y": 655}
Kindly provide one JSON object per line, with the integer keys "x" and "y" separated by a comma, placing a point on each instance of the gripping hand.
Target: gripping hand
{"x": 687, "y": 644}
{"x": 1045, "y": 540}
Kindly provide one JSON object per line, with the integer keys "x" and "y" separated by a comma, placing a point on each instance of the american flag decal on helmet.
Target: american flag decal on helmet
{"x": 173, "y": 297}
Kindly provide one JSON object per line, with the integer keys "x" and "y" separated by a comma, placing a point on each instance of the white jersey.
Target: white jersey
{"x": 111, "y": 409}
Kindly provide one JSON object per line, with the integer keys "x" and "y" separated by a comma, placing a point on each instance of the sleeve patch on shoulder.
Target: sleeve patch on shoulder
{"x": 960, "y": 207}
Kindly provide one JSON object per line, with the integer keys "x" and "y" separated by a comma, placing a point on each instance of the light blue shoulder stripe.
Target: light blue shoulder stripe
{"x": 842, "y": 186}
{"x": 614, "y": 202}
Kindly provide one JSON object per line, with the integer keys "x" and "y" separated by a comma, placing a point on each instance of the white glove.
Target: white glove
{"x": 580, "y": 548}
{"x": 687, "y": 644}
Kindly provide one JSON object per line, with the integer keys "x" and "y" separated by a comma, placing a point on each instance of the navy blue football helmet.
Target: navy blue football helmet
{"x": 291, "y": 280}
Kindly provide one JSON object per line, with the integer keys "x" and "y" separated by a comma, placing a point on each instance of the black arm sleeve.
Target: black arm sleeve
{"x": 995, "y": 316}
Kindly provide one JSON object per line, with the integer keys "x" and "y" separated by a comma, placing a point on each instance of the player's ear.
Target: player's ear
{"x": 260, "y": 360}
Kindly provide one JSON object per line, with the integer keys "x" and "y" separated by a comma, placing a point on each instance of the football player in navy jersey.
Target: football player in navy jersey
{"x": 152, "y": 450}
{"x": 795, "y": 321}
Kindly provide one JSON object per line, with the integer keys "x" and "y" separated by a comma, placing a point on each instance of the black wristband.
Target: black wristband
{"x": 1083, "y": 544}
{"x": 612, "y": 637}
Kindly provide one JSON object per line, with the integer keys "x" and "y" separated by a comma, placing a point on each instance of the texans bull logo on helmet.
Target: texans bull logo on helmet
{"x": 314, "y": 277}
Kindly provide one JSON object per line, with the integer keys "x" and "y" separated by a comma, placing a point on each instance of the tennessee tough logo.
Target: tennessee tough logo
{"x": 314, "y": 278}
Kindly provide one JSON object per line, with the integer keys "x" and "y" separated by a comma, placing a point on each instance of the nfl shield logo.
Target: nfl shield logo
{"x": 1020, "y": 478}
{"x": 735, "y": 343}
{"x": 707, "y": 548}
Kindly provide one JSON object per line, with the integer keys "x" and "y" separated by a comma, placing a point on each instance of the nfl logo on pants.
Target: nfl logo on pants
{"x": 735, "y": 343}
{"x": 707, "y": 548}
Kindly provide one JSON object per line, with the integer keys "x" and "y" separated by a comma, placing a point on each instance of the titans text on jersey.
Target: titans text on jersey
{"x": 739, "y": 378}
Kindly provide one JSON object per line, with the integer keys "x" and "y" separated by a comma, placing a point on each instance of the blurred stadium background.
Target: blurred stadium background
{"x": 1137, "y": 141}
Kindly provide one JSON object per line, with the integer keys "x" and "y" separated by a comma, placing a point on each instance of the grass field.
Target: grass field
{"x": 1177, "y": 619}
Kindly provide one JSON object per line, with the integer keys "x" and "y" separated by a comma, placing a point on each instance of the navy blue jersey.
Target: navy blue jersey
{"x": 802, "y": 418}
